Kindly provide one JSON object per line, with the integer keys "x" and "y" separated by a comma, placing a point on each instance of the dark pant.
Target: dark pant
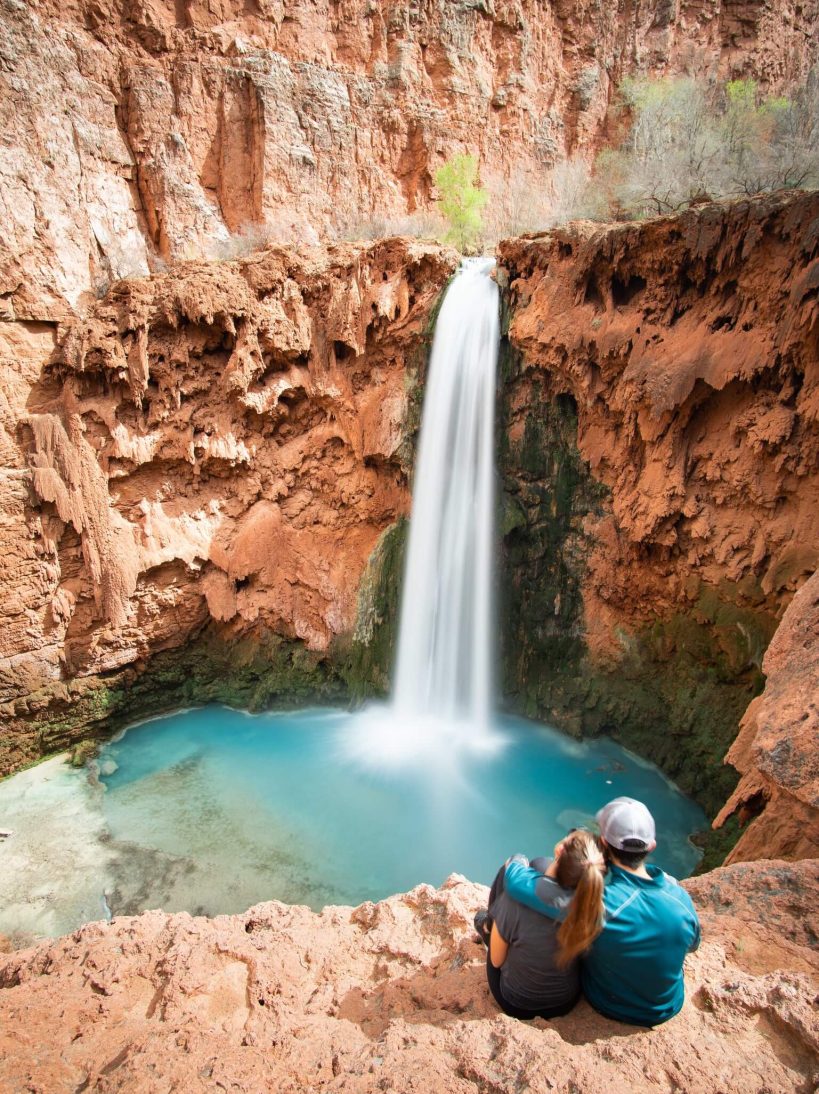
{"x": 493, "y": 975}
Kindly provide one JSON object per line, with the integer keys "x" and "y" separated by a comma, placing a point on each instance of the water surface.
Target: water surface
{"x": 213, "y": 810}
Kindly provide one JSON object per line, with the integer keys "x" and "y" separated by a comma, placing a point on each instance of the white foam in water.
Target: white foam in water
{"x": 384, "y": 739}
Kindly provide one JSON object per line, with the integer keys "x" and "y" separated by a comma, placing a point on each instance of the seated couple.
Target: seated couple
{"x": 595, "y": 917}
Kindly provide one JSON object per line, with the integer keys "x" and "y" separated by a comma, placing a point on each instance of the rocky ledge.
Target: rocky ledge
{"x": 392, "y": 996}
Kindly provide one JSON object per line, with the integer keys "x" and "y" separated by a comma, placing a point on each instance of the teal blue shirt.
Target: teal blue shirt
{"x": 634, "y": 969}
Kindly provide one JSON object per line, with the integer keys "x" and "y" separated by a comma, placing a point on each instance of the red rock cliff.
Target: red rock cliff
{"x": 689, "y": 348}
{"x": 221, "y": 446}
{"x": 138, "y": 127}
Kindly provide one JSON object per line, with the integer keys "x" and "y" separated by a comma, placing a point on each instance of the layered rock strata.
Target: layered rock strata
{"x": 210, "y": 455}
{"x": 393, "y": 996}
{"x": 662, "y": 469}
{"x": 145, "y": 131}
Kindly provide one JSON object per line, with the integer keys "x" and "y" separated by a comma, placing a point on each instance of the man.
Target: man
{"x": 633, "y": 970}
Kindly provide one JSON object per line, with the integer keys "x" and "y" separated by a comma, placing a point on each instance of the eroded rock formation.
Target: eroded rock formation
{"x": 776, "y": 750}
{"x": 682, "y": 355}
{"x": 142, "y": 130}
{"x": 216, "y": 448}
{"x": 393, "y": 996}
{"x": 203, "y": 476}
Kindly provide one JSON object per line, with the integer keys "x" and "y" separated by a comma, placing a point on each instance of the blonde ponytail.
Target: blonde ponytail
{"x": 580, "y": 867}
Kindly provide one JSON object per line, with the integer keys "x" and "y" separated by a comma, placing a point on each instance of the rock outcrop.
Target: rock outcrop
{"x": 393, "y": 996}
{"x": 220, "y": 447}
{"x": 678, "y": 358}
{"x": 145, "y": 131}
{"x": 776, "y": 750}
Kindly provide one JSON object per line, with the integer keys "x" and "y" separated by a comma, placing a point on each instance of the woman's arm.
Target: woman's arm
{"x": 498, "y": 949}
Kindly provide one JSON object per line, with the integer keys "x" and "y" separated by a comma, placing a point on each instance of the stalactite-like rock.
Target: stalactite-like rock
{"x": 218, "y": 446}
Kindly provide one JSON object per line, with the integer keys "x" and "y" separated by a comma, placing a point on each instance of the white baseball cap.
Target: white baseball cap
{"x": 626, "y": 825}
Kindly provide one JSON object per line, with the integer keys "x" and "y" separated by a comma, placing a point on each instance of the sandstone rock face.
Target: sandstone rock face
{"x": 686, "y": 348}
{"x": 222, "y": 445}
{"x": 148, "y": 129}
{"x": 393, "y": 996}
{"x": 776, "y": 750}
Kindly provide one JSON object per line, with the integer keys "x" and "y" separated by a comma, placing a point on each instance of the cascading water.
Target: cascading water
{"x": 443, "y": 681}
{"x": 444, "y": 648}
{"x": 376, "y": 801}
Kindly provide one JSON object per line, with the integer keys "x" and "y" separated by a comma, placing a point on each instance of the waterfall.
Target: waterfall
{"x": 445, "y": 638}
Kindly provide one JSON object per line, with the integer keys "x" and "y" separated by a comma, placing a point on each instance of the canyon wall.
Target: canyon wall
{"x": 206, "y": 479}
{"x": 776, "y": 751}
{"x": 197, "y": 473}
{"x": 661, "y": 511}
{"x": 144, "y": 131}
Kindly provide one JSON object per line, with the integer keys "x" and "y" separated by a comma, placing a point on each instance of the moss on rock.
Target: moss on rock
{"x": 366, "y": 664}
{"x": 676, "y": 689}
{"x": 253, "y": 672}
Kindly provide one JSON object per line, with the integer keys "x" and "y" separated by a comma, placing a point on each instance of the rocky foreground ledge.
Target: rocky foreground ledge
{"x": 392, "y": 997}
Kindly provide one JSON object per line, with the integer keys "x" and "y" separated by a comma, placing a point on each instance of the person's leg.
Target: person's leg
{"x": 483, "y": 920}
{"x": 497, "y": 885}
{"x": 483, "y": 925}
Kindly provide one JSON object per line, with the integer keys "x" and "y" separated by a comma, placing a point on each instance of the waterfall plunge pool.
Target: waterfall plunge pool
{"x": 212, "y": 810}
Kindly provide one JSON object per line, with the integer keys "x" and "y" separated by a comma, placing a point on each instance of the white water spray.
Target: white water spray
{"x": 444, "y": 647}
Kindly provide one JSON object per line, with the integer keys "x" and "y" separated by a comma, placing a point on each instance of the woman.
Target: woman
{"x": 532, "y": 963}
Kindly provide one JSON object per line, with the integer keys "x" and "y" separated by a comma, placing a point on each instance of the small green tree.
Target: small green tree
{"x": 461, "y": 200}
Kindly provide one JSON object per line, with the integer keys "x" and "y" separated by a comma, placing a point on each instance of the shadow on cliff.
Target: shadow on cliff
{"x": 453, "y": 989}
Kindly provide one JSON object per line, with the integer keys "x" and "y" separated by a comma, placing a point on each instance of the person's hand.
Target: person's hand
{"x": 517, "y": 857}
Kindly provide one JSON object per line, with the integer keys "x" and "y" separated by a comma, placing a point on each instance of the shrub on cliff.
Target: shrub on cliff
{"x": 417, "y": 225}
{"x": 691, "y": 140}
{"x": 460, "y": 201}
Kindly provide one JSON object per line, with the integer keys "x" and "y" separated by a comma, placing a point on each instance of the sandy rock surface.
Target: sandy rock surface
{"x": 392, "y": 996}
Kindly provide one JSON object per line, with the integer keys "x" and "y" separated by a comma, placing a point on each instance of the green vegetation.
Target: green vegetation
{"x": 688, "y": 140}
{"x": 257, "y": 672}
{"x": 368, "y": 665}
{"x": 461, "y": 201}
